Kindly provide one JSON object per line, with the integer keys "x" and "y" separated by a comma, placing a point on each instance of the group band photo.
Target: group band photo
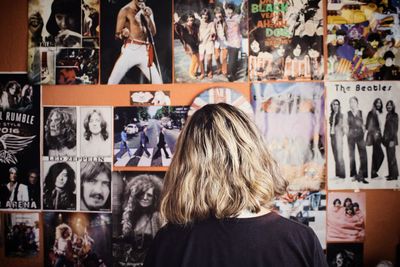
{"x": 363, "y": 135}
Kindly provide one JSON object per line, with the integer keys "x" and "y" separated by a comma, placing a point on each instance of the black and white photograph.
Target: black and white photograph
{"x": 290, "y": 116}
{"x": 22, "y": 234}
{"x": 59, "y": 133}
{"x": 57, "y": 24}
{"x": 345, "y": 255}
{"x": 77, "y": 66}
{"x": 306, "y": 207}
{"x": 95, "y": 189}
{"x": 77, "y": 239}
{"x": 346, "y": 217}
{"x": 150, "y": 98}
{"x": 210, "y": 41}
{"x": 96, "y": 131}
{"x": 136, "y": 41}
{"x": 136, "y": 216}
{"x": 19, "y": 142}
{"x": 146, "y": 136}
{"x": 363, "y": 135}
{"x": 59, "y": 185}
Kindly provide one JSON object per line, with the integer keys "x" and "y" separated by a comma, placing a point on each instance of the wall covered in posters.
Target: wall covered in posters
{"x": 93, "y": 138}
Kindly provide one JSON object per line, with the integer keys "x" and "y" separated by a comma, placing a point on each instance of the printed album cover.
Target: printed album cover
{"x": 136, "y": 42}
{"x": 362, "y": 121}
{"x": 363, "y": 39}
{"x": 63, "y": 41}
{"x": 285, "y": 40}
{"x": 19, "y": 142}
{"x": 210, "y": 41}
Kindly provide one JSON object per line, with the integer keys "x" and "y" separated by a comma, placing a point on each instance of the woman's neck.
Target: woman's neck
{"x": 248, "y": 214}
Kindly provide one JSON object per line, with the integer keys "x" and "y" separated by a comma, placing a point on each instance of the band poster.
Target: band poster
{"x": 346, "y": 254}
{"x": 77, "y": 239}
{"x": 19, "y": 142}
{"x": 146, "y": 135}
{"x": 136, "y": 216}
{"x": 136, "y": 42}
{"x": 346, "y": 217}
{"x": 298, "y": 144}
{"x": 210, "y": 41}
{"x": 77, "y": 158}
{"x": 22, "y": 234}
{"x": 363, "y": 40}
{"x": 285, "y": 40}
{"x": 63, "y": 41}
{"x": 306, "y": 207}
{"x": 362, "y": 121}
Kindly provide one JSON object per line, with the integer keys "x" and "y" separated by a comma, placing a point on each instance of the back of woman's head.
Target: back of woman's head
{"x": 221, "y": 167}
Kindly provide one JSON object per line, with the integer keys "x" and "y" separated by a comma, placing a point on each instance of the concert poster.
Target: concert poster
{"x": 136, "y": 198}
{"x": 19, "y": 142}
{"x": 210, "y": 41}
{"x": 306, "y": 207}
{"x": 63, "y": 41}
{"x": 298, "y": 144}
{"x": 77, "y": 239}
{"x": 362, "y": 39}
{"x": 362, "y": 129}
{"x": 138, "y": 49}
{"x": 285, "y": 39}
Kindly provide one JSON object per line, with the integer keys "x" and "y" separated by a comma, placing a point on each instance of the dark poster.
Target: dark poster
{"x": 136, "y": 216}
{"x": 285, "y": 40}
{"x": 77, "y": 239}
{"x": 19, "y": 142}
{"x": 363, "y": 40}
{"x": 210, "y": 41}
{"x": 138, "y": 49}
{"x": 63, "y": 41}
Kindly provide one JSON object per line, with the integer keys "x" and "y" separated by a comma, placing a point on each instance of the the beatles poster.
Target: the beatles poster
{"x": 362, "y": 38}
{"x": 19, "y": 142}
{"x": 136, "y": 42}
{"x": 22, "y": 234}
{"x": 306, "y": 207}
{"x": 291, "y": 119}
{"x": 136, "y": 216}
{"x": 285, "y": 40}
{"x": 77, "y": 239}
{"x": 63, "y": 41}
{"x": 362, "y": 128}
{"x": 346, "y": 217}
{"x": 210, "y": 41}
{"x": 146, "y": 135}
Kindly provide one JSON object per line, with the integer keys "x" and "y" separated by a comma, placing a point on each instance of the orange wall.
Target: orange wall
{"x": 383, "y": 212}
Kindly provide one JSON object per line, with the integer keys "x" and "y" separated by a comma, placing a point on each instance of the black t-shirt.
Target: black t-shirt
{"x": 268, "y": 240}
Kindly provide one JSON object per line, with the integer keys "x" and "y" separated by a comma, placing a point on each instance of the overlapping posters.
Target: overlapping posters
{"x": 291, "y": 119}
{"x": 285, "y": 40}
{"x": 77, "y": 239}
{"x": 63, "y": 41}
{"x": 346, "y": 217}
{"x": 210, "y": 41}
{"x": 363, "y": 40}
{"x": 136, "y": 40}
{"x": 19, "y": 142}
{"x": 363, "y": 135}
{"x": 77, "y": 158}
{"x": 136, "y": 216}
{"x": 147, "y": 135}
{"x": 22, "y": 234}
{"x": 306, "y": 207}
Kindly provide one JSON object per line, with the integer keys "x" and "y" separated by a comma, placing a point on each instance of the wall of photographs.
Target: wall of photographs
{"x": 101, "y": 102}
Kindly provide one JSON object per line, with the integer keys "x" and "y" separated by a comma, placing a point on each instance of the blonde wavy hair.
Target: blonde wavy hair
{"x": 221, "y": 167}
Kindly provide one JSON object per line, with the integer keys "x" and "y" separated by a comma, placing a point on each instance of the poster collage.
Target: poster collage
{"x": 88, "y": 179}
